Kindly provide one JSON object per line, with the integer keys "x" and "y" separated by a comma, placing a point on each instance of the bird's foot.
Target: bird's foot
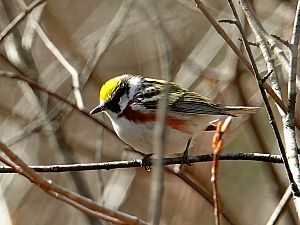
{"x": 146, "y": 162}
{"x": 185, "y": 156}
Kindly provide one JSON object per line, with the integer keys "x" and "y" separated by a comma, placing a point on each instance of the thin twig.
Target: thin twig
{"x": 279, "y": 53}
{"x": 217, "y": 144}
{"x": 74, "y": 74}
{"x": 257, "y": 157}
{"x": 68, "y": 196}
{"x": 267, "y": 39}
{"x": 263, "y": 45}
{"x": 285, "y": 42}
{"x": 105, "y": 41}
{"x": 205, "y": 194}
{"x": 160, "y": 129}
{"x": 7, "y": 30}
{"x": 265, "y": 149}
{"x": 267, "y": 76}
{"x": 265, "y": 98}
{"x": 34, "y": 84}
{"x": 278, "y": 211}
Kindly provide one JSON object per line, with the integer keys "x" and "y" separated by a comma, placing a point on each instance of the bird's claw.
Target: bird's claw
{"x": 185, "y": 156}
{"x": 146, "y": 163}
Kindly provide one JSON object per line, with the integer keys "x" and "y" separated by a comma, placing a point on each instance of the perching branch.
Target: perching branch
{"x": 258, "y": 157}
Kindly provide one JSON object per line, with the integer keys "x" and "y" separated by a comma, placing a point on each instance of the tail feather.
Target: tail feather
{"x": 241, "y": 109}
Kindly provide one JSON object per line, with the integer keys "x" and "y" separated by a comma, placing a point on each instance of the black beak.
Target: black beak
{"x": 97, "y": 109}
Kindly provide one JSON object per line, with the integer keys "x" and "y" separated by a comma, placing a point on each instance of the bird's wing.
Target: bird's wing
{"x": 180, "y": 100}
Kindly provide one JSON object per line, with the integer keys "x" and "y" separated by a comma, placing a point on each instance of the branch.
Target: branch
{"x": 7, "y": 30}
{"x": 59, "y": 56}
{"x": 160, "y": 129}
{"x": 105, "y": 41}
{"x": 258, "y": 31}
{"x": 289, "y": 119}
{"x": 265, "y": 98}
{"x": 236, "y": 50}
{"x": 270, "y": 39}
{"x": 280, "y": 207}
{"x": 217, "y": 145}
{"x": 35, "y": 85}
{"x": 258, "y": 157}
{"x": 80, "y": 202}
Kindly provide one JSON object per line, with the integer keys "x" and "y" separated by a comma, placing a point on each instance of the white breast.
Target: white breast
{"x": 140, "y": 136}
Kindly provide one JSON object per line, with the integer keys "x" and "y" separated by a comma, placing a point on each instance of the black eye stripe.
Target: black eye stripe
{"x": 113, "y": 103}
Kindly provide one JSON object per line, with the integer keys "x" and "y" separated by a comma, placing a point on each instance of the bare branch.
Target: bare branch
{"x": 289, "y": 119}
{"x": 280, "y": 207}
{"x": 263, "y": 44}
{"x": 105, "y": 41}
{"x": 264, "y": 96}
{"x": 243, "y": 59}
{"x": 34, "y": 84}
{"x": 160, "y": 129}
{"x": 258, "y": 157}
{"x": 74, "y": 74}
{"x": 217, "y": 145}
{"x": 69, "y": 197}
{"x": 19, "y": 18}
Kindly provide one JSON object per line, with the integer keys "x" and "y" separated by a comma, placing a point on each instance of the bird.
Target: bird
{"x": 130, "y": 101}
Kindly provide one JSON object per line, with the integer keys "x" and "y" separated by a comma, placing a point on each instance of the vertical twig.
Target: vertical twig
{"x": 217, "y": 148}
{"x": 160, "y": 130}
{"x": 289, "y": 118}
{"x": 217, "y": 144}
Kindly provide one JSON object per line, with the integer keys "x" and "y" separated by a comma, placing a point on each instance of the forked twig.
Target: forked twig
{"x": 236, "y": 50}
{"x": 265, "y": 98}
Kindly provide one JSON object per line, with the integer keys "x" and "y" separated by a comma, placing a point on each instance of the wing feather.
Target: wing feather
{"x": 180, "y": 100}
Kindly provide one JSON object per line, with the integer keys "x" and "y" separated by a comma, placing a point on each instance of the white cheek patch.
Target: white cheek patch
{"x": 123, "y": 102}
{"x": 135, "y": 83}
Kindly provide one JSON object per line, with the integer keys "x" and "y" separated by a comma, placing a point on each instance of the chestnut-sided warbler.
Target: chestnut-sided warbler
{"x": 130, "y": 101}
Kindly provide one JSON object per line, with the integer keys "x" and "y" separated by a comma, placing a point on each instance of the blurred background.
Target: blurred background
{"x": 100, "y": 39}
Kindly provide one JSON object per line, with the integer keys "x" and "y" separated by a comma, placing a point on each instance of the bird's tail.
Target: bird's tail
{"x": 236, "y": 110}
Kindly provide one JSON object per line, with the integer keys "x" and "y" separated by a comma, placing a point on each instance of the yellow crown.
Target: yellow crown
{"x": 108, "y": 88}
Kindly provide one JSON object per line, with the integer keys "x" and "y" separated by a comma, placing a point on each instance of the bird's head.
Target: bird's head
{"x": 116, "y": 93}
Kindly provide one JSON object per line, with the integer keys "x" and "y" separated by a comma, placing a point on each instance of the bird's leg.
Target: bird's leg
{"x": 146, "y": 162}
{"x": 185, "y": 156}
